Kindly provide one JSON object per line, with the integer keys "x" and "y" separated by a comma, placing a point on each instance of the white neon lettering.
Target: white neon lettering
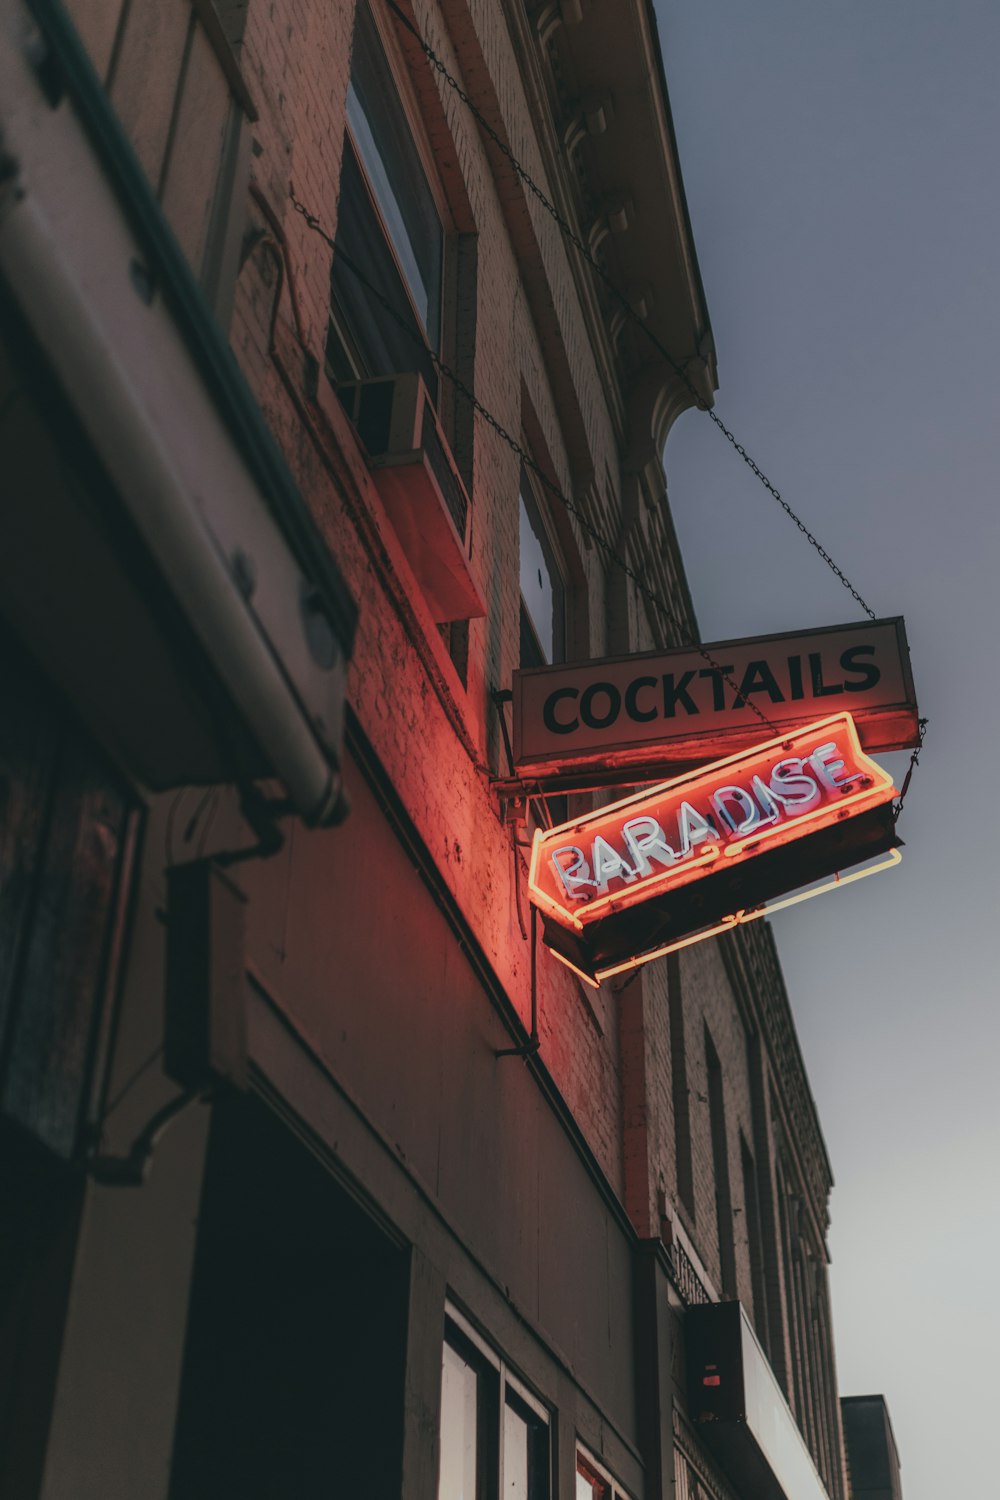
{"x": 826, "y": 767}
{"x": 772, "y": 812}
{"x": 749, "y": 812}
{"x": 608, "y": 864}
{"x": 575, "y": 875}
{"x": 791, "y": 784}
{"x": 646, "y": 840}
{"x": 693, "y": 828}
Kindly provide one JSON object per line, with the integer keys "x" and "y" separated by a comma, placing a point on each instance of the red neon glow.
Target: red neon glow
{"x": 661, "y": 839}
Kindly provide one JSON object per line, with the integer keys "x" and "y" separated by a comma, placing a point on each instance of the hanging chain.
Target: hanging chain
{"x": 678, "y": 369}
{"x": 585, "y": 524}
{"x": 914, "y": 762}
{"x": 584, "y": 250}
{"x": 776, "y": 494}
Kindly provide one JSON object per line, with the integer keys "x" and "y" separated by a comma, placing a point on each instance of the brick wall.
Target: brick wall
{"x": 408, "y": 699}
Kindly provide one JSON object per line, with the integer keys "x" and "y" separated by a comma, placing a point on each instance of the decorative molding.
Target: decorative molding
{"x": 547, "y": 19}
{"x": 598, "y": 112}
{"x": 752, "y": 961}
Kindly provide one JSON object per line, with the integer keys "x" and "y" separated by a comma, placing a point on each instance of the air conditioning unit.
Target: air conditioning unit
{"x": 420, "y": 487}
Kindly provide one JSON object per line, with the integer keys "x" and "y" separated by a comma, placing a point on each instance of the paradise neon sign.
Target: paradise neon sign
{"x": 682, "y": 860}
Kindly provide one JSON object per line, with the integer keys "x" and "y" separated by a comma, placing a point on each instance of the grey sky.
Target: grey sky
{"x": 840, "y": 165}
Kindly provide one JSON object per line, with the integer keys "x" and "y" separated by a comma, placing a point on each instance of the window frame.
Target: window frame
{"x": 404, "y": 94}
{"x": 589, "y": 1468}
{"x": 501, "y": 1382}
{"x": 718, "y": 1124}
{"x": 554, "y": 555}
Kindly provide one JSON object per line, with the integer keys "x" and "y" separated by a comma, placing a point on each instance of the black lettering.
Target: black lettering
{"x": 614, "y": 698}
{"x": 820, "y": 690}
{"x": 674, "y": 693}
{"x": 718, "y": 676}
{"x": 870, "y": 673}
{"x": 641, "y": 716}
{"x": 758, "y": 678}
{"x": 549, "y": 719}
{"x": 795, "y": 676}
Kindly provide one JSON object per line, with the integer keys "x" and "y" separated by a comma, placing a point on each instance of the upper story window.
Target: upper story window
{"x": 388, "y": 226}
{"x": 720, "y": 1165}
{"x": 543, "y": 588}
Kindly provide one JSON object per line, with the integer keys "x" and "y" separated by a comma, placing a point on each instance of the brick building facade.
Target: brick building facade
{"x": 304, "y": 1205}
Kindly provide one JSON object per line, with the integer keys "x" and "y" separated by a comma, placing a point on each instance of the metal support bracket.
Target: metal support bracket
{"x": 131, "y": 1170}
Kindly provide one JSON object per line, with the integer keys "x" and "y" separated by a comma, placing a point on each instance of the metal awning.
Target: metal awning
{"x": 155, "y": 552}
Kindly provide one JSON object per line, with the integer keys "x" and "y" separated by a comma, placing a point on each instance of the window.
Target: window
{"x": 388, "y": 227}
{"x": 494, "y": 1433}
{"x": 593, "y": 1482}
{"x": 755, "y": 1246}
{"x": 525, "y": 1449}
{"x": 543, "y": 591}
{"x": 589, "y": 1486}
{"x": 681, "y": 1094}
{"x": 543, "y": 601}
{"x": 720, "y": 1166}
{"x": 463, "y": 1435}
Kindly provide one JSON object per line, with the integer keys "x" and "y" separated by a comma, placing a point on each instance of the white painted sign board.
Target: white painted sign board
{"x": 684, "y": 707}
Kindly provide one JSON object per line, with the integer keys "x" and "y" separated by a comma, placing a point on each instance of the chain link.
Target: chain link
{"x": 914, "y": 762}
{"x": 755, "y": 469}
{"x": 584, "y": 250}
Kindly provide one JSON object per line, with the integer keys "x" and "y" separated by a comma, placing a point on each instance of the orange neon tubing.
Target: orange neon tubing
{"x": 878, "y": 790}
{"x": 738, "y": 919}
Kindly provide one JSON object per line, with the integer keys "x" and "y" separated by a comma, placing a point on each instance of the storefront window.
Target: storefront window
{"x": 494, "y": 1433}
{"x": 459, "y": 1428}
{"x": 525, "y": 1451}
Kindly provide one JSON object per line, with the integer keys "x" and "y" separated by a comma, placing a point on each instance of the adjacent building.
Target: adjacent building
{"x": 323, "y": 410}
{"x": 872, "y": 1457}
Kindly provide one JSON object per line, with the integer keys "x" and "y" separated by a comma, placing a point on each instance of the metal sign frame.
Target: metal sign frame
{"x": 704, "y": 850}
{"x": 625, "y": 719}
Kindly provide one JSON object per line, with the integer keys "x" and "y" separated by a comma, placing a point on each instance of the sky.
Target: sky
{"x": 840, "y": 162}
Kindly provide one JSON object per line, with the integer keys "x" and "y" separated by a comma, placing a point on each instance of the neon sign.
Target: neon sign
{"x": 699, "y": 852}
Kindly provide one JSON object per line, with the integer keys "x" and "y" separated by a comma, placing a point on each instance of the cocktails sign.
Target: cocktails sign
{"x": 585, "y": 723}
{"x": 642, "y": 875}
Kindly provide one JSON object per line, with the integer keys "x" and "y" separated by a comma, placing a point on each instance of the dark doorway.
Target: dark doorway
{"x": 40, "y": 1204}
{"x": 294, "y": 1365}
